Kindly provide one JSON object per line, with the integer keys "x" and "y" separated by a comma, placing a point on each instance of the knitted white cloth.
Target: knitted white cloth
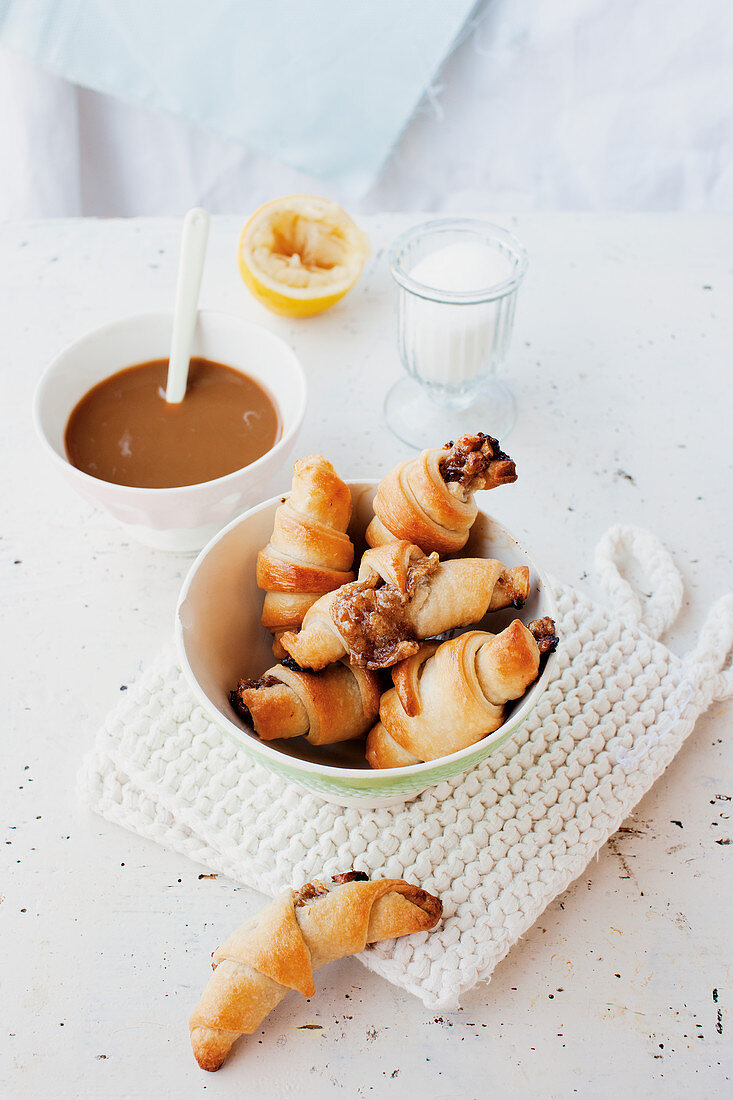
{"x": 497, "y": 844}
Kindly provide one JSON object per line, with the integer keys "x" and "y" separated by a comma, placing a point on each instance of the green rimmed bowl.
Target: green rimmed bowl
{"x": 220, "y": 639}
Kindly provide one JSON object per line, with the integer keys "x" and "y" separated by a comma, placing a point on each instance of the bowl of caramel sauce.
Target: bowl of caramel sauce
{"x": 172, "y": 474}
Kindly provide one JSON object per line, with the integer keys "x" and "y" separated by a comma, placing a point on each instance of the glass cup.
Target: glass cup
{"x": 457, "y": 281}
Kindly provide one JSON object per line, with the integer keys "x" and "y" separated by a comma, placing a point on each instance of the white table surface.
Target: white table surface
{"x": 621, "y": 365}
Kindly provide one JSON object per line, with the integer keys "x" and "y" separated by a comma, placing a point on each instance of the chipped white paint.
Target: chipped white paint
{"x": 620, "y": 363}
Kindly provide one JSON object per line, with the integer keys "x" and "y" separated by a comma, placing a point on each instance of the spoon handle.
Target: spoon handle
{"x": 190, "y": 268}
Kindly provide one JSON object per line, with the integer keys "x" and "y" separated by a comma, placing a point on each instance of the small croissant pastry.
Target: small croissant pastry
{"x": 278, "y": 949}
{"x": 309, "y": 552}
{"x": 449, "y": 696}
{"x": 402, "y": 595}
{"x": 339, "y": 704}
{"x": 428, "y": 500}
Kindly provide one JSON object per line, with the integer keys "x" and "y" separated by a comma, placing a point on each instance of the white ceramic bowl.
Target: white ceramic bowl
{"x": 220, "y": 639}
{"x": 182, "y": 518}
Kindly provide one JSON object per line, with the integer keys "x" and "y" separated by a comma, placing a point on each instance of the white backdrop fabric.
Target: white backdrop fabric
{"x": 323, "y": 86}
{"x": 577, "y": 104}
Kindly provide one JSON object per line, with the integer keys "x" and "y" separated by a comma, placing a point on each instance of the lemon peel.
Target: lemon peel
{"x": 301, "y": 254}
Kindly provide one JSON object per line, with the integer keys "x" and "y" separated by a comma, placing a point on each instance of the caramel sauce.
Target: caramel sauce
{"x": 124, "y": 431}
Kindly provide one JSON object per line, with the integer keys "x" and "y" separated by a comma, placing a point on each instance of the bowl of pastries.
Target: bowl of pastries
{"x": 370, "y": 639}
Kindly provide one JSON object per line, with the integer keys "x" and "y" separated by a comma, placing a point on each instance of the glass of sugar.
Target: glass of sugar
{"x": 457, "y": 282}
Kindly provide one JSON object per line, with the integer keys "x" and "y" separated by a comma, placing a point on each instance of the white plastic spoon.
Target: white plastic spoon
{"x": 190, "y": 268}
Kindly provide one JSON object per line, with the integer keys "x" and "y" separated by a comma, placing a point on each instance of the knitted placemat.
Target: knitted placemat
{"x": 497, "y": 844}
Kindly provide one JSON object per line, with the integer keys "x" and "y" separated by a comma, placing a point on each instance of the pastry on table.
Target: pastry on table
{"x": 401, "y": 596}
{"x": 309, "y": 551}
{"x": 429, "y": 500}
{"x": 449, "y": 696}
{"x": 278, "y": 949}
{"x": 340, "y": 703}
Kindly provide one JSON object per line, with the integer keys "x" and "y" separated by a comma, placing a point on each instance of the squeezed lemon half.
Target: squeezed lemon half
{"x": 299, "y": 255}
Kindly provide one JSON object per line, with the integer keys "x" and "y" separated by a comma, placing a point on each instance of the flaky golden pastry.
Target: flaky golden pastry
{"x": 309, "y": 552}
{"x": 449, "y": 696}
{"x": 401, "y": 596}
{"x": 428, "y": 500}
{"x": 278, "y": 949}
{"x": 340, "y": 703}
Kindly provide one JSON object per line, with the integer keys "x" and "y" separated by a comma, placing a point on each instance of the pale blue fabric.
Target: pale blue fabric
{"x": 325, "y": 86}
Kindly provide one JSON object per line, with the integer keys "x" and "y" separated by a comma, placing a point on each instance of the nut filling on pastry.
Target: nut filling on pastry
{"x": 266, "y": 681}
{"x": 373, "y": 621}
{"x": 543, "y": 631}
{"x": 350, "y": 876}
{"x": 308, "y": 892}
{"x": 235, "y": 697}
{"x": 475, "y": 457}
{"x": 317, "y": 889}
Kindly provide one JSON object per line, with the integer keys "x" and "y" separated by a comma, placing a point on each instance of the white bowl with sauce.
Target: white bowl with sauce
{"x": 221, "y": 639}
{"x": 181, "y": 517}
